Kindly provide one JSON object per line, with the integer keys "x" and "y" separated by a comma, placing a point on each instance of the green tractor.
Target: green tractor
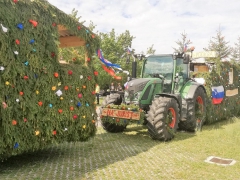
{"x": 170, "y": 99}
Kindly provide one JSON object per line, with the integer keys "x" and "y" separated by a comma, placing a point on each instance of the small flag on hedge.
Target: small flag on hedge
{"x": 217, "y": 94}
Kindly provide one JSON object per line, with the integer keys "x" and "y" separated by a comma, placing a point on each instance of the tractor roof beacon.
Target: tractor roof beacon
{"x": 167, "y": 94}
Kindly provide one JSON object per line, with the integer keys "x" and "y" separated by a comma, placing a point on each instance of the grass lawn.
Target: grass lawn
{"x": 134, "y": 155}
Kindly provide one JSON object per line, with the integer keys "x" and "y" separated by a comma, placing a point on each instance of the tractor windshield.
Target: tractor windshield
{"x": 158, "y": 66}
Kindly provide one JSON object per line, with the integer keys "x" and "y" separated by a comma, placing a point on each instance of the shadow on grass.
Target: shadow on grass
{"x": 219, "y": 124}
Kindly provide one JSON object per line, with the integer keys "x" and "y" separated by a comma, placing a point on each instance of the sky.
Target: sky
{"x": 160, "y": 22}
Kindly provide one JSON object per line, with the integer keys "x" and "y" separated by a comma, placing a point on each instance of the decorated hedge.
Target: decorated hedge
{"x": 227, "y": 75}
{"x": 43, "y": 101}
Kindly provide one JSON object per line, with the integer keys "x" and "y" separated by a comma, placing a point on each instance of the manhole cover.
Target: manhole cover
{"x": 220, "y": 161}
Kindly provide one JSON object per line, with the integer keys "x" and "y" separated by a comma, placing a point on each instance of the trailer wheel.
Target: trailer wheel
{"x": 196, "y": 114}
{"x": 163, "y": 118}
{"x": 115, "y": 99}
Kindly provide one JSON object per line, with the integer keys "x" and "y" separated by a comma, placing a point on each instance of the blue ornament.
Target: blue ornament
{"x": 87, "y": 104}
{"x": 79, "y": 104}
{"x": 50, "y": 105}
{"x": 20, "y": 26}
{"x": 16, "y": 145}
{"x": 36, "y": 76}
{"x": 31, "y": 41}
{"x": 87, "y": 45}
{"x": 26, "y": 63}
{"x": 87, "y": 31}
{"x": 34, "y": 50}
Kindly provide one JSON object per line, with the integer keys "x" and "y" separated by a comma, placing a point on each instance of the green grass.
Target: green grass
{"x": 134, "y": 155}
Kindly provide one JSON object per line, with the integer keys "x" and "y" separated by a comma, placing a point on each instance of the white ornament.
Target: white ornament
{"x": 15, "y": 52}
{"x": 17, "y": 100}
{"x": 59, "y": 92}
{"x": 65, "y": 129}
{"x": 81, "y": 76}
{"x": 4, "y": 28}
{"x": 1, "y": 68}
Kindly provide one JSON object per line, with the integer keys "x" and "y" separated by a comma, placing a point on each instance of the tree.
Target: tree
{"x": 236, "y": 51}
{"x": 150, "y": 50}
{"x": 219, "y": 45}
{"x": 183, "y": 44}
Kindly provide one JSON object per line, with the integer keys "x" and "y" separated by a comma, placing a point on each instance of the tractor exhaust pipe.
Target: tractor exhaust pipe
{"x": 134, "y": 69}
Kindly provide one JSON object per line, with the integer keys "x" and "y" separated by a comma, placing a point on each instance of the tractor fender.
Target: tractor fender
{"x": 190, "y": 89}
{"x": 177, "y": 97}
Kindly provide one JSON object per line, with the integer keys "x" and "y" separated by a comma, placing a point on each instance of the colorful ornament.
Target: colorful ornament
{"x": 75, "y": 116}
{"x": 59, "y": 84}
{"x": 54, "y": 88}
{"x": 21, "y": 93}
{"x": 84, "y": 117}
{"x": 84, "y": 87}
{"x": 93, "y": 92}
{"x": 88, "y": 59}
{"x": 4, "y": 29}
{"x": 50, "y": 105}
{"x": 25, "y": 77}
{"x": 25, "y": 119}
{"x": 65, "y": 88}
{"x": 52, "y": 54}
{"x": 31, "y": 41}
{"x": 54, "y": 24}
{"x": 93, "y": 121}
{"x": 77, "y": 89}
{"x": 87, "y": 104}
{"x": 14, "y": 122}
{"x": 34, "y": 50}
{"x": 37, "y": 92}
{"x": 56, "y": 75}
{"x": 79, "y": 27}
{"x": 60, "y": 111}
{"x": 87, "y": 45}
{"x": 17, "y": 41}
{"x": 17, "y": 100}
{"x": 37, "y": 133}
{"x": 15, "y": 52}
{"x": 61, "y": 98}
{"x": 93, "y": 36}
{"x": 26, "y": 63}
{"x": 80, "y": 95}
{"x": 70, "y": 72}
{"x": 79, "y": 104}
{"x": 40, "y": 103}
{"x": 1, "y": 68}
{"x": 20, "y": 26}
{"x": 95, "y": 73}
{"x": 34, "y": 23}
{"x": 15, "y": 145}
{"x": 59, "y": 92}
{"x": 84, "y": 126}
{"x": 89, "y": 78}
{"x": 4, "y": 105}
{"x": 54, "y": 132}
{"x": 87, "y": 31}
{"x": 71, "y": 108}
{"x": 81, "y": 76}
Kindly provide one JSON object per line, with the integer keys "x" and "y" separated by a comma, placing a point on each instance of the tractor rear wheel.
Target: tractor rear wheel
{"x": 115, "y": 99}
{"x": 196, "y": 114}
{"x": 163, "y": 118}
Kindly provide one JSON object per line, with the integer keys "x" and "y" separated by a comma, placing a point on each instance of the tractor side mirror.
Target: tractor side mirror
{"x": 186, "y": 58}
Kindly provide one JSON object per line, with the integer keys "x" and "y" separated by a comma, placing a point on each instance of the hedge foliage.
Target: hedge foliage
{"x": 42, "y": 101}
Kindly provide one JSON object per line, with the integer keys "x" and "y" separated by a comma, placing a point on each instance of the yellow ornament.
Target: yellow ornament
{"x": 54, "y": 88}
{"x": 84, "y": 116}
{"x": 84, "y": 126}
{"x": 37, "y": 133}
{"x": 61, "y": 98}
{"x": 59, "y": 84}
{"x": 77, "y": 89}
{"x": 37, "y": 92}
{"x": 7, "y": 83}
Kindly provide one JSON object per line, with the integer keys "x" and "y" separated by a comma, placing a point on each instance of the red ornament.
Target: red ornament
{"x": 93, "y": 121}
{"x": 93, "y": 36}
{"x": 25, "y": 119}
{"x": 52, "y": 54}
{"x": 89, "y": 78}
{"x": 34, "y": 23}
{"x": 71, "y": 108}
{"x": 56, "y": 75}
{"x": 79, "y": 27}
{"x": 80, "y": 95}
{"x": 25, "y": 77}
{"x": 88, "y": 59}
{"x": 54, "y": 132}
{"x": 14, "y": 122}
{"x": 60, "y": 111}
{"x": 17, "y": 41}
{"x": 117, "y": 120}
{"x": 40, "y": 103}
{"x": 54, "y": 24}
{"x": 74, "y": 59}
{"x": 21, "y": 93}
{"x": 75, "y": 116}
{"x": 70, "y": 72}
{"x": 93, "y": 92}
{"x": 15, "y": 1}
{"x": 65, "y": 88}
{"x": 95, "y": 73}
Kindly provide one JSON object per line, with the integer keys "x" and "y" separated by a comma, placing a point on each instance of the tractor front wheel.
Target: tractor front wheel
{"x": 163, "y": 118}
{"x": 196, "y": 114}
{"x": 115, "y": 99}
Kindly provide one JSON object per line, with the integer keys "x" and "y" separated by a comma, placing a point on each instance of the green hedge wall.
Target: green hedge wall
{"x": 42, "y": 101}
{"x": 230, "y": 105}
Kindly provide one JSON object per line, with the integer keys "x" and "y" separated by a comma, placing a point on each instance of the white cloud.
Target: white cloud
{"x": 160, "y": 22}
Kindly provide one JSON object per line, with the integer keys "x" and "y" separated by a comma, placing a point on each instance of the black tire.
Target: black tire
{"x": 163, "y": 118}
{"x": 196, "y": 114}
{"x": 116, "y": 100}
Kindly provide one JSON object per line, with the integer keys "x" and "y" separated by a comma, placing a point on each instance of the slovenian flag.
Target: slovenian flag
{"x": 217, "y": 94}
